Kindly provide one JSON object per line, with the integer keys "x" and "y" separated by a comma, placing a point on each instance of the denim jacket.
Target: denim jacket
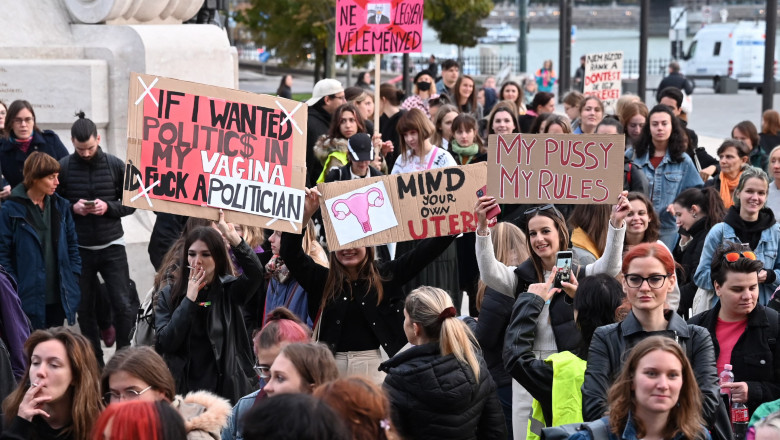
{"x": 766, "y": 252}
{"x": 666, "y": 182}
{"x": 629, "y": 433}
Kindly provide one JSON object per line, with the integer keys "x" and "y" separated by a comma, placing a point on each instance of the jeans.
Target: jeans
{"x": 111, "y": 264}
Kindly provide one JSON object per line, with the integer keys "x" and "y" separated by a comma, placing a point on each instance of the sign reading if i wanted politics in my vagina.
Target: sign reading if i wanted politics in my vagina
{"x": 192, "y": 148}
{"x": 366, "y": 27}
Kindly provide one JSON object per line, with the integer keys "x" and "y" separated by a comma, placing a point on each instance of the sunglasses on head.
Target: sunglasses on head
{"x": 731, "y": 257}
{"x": 543, "y": 208}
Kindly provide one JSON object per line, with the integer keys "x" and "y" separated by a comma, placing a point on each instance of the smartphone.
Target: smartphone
{"x": 89, "y": 203}
{"x": 563, "y": 263}
{"x": 493, "y": 213}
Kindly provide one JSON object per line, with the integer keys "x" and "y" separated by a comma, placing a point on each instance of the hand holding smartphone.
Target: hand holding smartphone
{"x": 493, "y": 213}
{"x": 89, "y": 203}
{"x": 563, "y": 263}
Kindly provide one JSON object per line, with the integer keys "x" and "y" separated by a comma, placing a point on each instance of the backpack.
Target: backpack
{"x": 143, "y": 333}
{"x": 597, "y": 429}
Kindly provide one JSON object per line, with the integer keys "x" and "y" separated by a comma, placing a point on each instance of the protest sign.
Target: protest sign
{"x": 401, "y": 207}
{"x": 603, "y": 77}
{"x": 555, "y": 168}
{"x": 194, "y": 147}
{"x": 378, "y": 26}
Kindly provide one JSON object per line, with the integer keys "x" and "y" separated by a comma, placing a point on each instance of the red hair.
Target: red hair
{"x": 131, "y": 419}
{"x": 281, "y": 325}
{"x": 656, "y": 250}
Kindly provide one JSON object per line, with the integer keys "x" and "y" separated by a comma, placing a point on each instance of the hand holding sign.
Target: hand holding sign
{"x": 311, "y": 204}
{"x": 228, "y": 231}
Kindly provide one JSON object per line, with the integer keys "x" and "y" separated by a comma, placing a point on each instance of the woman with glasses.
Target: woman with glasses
{"x": 742, "y": 330}
{"x": 24, "y": 137}
{"x": 546, "y": 234}
{"x": 751, "y": 223}
{"x": 58, "y": 396}
{"x": 200, "y": 326}
{"x": 282, "y": 327}
{"x": 648, "y": 278}
{"x": 139, "y": 373}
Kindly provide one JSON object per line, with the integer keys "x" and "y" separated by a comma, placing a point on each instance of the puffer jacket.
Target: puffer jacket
{"x": 437, "y": 397}
{"x": 490, "y": 330}
{"x": 98, "y": 178}
{"x": 204, "y": 414}
{"x": 611, "y": 344}
{"x": 756, "y": 355}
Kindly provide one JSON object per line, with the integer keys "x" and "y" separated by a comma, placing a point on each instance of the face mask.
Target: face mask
{"x": 424, "y": 86}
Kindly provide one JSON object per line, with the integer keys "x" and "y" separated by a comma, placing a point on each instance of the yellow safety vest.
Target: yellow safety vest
{"x": 340, "y": 155}
{"x": 568, "y": 376}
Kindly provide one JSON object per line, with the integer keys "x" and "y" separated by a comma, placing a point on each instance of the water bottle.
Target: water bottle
{"x": 726, "y": 376}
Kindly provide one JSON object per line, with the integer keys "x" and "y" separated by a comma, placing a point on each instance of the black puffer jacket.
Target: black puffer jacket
{"x": 98, "y": 178}
{"x": 611, "y": 344}
{"x": 755, "y": 357}
{"x": 437, "y": 397}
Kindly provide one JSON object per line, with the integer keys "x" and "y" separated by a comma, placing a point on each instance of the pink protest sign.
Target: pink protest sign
{"x": 366, "y": 27}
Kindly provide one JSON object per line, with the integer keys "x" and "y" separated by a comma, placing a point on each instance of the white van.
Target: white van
{"x": 734, "y": 50}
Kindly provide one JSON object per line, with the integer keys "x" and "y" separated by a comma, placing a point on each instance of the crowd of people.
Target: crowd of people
{"x": 265, "y": 334}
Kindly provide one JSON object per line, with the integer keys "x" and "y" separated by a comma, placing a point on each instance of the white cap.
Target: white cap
{"x": 325, "y": 87}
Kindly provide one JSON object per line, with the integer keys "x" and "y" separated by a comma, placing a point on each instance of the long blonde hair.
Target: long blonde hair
{"x": 424, "y": 305}
{"x": 509, "y": 245}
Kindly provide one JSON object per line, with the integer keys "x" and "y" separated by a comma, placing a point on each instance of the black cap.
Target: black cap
{"x": 360, "y": 147}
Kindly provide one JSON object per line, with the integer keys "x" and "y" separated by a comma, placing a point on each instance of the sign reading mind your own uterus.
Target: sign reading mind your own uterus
{"x": 401, "y": 207}
{"x": 192, "y": 148}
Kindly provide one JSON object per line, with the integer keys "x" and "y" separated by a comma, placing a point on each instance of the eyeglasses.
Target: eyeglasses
{"x": 732, "y": 257}
{"x": 20, "y": 121}
{"x": 654, "y": 281}
{"x": 263, "y": 371}
{"x": 112, "y": 397}
{"x": 543, "y": 208}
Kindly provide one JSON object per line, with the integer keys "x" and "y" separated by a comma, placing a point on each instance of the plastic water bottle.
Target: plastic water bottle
{"x": 726, "y": 376}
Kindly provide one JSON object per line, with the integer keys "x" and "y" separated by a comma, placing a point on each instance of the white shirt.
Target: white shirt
{"x": 410, "y": 162}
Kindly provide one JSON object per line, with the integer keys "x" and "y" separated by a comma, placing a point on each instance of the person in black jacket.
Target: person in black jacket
{"x": 357, "y": 301}
{"x": 675, "y": 80}
{"x": 360, "y": 153}
{"x": 441, "y": 388}
{"x": 648, "y": 278}
{"x": 696, "y": 211}
{"x": 596, "y": 304}
{"x": 24, "y": 137}
{"x": 200, "y": 328}
{"x": 327, "y": 96}
{"x": 91, "y": 180}
{"x": 744, "y": 333}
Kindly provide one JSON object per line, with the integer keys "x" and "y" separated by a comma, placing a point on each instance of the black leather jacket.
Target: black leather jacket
{"x": 756, "y": 355}
{"x": 611, "y": 344}
{"x": 225, "y": 327}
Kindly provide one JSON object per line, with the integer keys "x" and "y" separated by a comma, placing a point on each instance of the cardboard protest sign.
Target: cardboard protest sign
{"x": 378, "y": 26}
{"x": 194, "y": 147}
{"x": 603, "y": 76}
{"x": 401, "y": 207}
{"x": 555, "y": 168}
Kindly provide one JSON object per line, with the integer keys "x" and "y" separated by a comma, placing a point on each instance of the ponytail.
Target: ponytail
{"x": 432, "y": 308}
{"x": 708, "y": 200}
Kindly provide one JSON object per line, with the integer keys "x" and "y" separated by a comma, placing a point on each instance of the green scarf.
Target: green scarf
{"x": 471, "y": 150}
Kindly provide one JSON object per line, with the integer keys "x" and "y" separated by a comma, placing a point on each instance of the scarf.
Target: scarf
{"x": 469, "y": 151}
{"x": 24, "y": 145}
{"x": 277, "y": 269}
{"x": 727, "y": 187}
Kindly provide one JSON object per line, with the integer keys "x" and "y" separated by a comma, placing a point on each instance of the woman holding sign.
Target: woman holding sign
{"x": 660, "y": 153}
{"x": 546, "y": 234}
{"x": 358, "y": 301}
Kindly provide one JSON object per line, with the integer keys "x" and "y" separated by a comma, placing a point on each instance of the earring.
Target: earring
{"x": 694, "y": 215}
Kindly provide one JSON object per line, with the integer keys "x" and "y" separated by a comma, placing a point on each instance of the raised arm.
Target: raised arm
{"x": 609, "y": 263}
{"x": 493, "y": 273}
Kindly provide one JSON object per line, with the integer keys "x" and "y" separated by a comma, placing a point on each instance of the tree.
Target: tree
{"x": 458, "y": 21}
{"x": 295, "y": 29}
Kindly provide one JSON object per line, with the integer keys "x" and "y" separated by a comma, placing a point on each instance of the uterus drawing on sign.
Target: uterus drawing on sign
{"x": 362, "y": 212}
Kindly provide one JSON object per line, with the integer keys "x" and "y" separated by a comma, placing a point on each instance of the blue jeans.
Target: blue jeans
{"x": 111, "y": 264}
